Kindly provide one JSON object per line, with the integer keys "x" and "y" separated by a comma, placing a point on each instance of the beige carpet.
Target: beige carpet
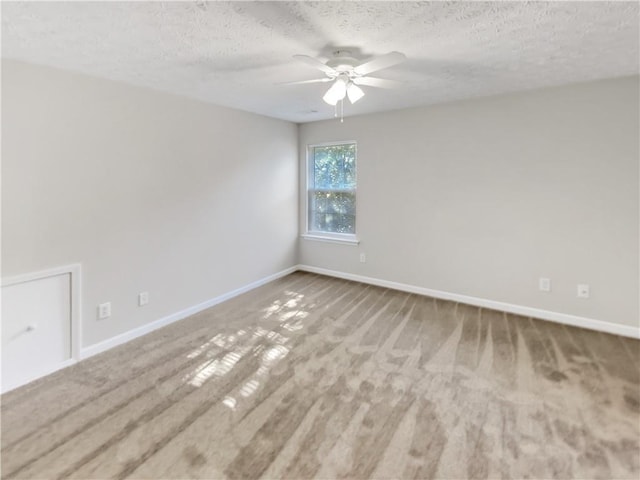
{"x": 313, "y": 377}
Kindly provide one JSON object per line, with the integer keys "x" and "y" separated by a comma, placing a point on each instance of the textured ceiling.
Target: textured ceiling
{"x": 235, "y": 53}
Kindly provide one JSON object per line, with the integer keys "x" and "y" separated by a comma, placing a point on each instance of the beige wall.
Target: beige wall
{"x": 148, "y": 191}
{"x": 482, "y": 197}
{"x": 154, "y": 192}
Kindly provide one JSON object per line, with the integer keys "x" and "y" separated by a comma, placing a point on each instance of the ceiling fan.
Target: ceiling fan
{"x": 348, "y": 73}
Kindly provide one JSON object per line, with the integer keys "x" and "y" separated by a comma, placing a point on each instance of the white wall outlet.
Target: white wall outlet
{"x": 583, "y": 290}
{"x": 544, "y": 284}
{"x": 363, "y": 258}
{"x": 104, "y": 310}
{"x": 143, "y": 299}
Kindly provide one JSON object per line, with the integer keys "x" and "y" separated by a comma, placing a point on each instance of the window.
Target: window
{"x": 331, "y": 191}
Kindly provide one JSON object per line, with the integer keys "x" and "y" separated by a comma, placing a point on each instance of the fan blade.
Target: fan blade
{"x": 315, "y": 63}
{"x": 376, "y": 82}
{"x": 378, "y": 63}
{"x": 315, "y": 80}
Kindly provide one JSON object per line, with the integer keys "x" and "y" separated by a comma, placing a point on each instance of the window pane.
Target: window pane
{"x": 332, "y": 211}
{"x": 334, "y": 167}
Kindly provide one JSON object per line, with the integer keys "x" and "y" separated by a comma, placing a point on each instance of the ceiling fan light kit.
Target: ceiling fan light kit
{"x": 343, "y": 87}
{"x": 336, "y": 92}
{"x": 347, "y": 73}
{"x": 354, "y": 93}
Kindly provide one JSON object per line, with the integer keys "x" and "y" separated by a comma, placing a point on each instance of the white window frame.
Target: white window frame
{"x": 341, "y": 238}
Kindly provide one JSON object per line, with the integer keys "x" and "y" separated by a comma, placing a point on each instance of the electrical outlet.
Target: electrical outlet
{"x": 544, "y": 284}
{"x": 143, "y": 299}
{"x": 363, "y": 258}
{"x": 104, "y": 310}
{"x": 583, "y": 290}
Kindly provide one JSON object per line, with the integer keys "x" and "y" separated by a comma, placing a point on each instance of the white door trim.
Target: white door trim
{"x": 75, "y": 274}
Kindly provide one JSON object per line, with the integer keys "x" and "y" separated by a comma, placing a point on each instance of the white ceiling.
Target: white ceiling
{"x": 235, "y": 53}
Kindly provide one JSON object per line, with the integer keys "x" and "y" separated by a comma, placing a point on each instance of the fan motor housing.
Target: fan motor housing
{"x": 342, "y": 61}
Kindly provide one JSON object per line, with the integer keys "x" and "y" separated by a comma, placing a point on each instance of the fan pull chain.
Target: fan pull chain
{"x": 335, "y": 110}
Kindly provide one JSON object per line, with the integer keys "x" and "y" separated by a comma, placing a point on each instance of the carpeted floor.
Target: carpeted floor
{"x": 314, "y": 377}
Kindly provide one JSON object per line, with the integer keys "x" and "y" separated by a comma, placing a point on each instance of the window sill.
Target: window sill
{"x": 347, "y": 240}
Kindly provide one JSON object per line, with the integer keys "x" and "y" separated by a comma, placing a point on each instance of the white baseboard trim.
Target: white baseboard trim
{"x": 573, "y": 320}
{"x": 150, "y": 327}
